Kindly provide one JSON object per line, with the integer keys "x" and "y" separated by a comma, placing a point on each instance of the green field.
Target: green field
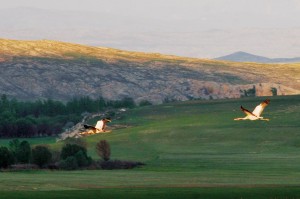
{"x": 191, "y": 150}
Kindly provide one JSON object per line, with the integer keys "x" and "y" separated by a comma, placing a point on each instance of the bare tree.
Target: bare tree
{"x": 103, "y": 149}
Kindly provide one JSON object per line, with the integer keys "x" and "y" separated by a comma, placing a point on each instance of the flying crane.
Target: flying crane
{"x": 255, "y": 114}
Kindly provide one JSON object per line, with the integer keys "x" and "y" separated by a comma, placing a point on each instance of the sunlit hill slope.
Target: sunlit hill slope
{"x": 49, "y": 69}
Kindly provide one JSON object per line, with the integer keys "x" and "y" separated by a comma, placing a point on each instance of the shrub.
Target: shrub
{"x": 71, "y": 149}
{"x": 6, "y": 157}
{"x": 23, "y": 152}
{"x": 41, "y": 156}
{"x": 14, "y": 146}
{"x": 274, "y": 91}
{"x": 82, "y": 159}
{"x": 71, "y": 153}
{"x": 251, "y": 92}
{"x": 70, "y": 163}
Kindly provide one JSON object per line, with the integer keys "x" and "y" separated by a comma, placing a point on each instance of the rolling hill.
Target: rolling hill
{"x": 31, "y": 70}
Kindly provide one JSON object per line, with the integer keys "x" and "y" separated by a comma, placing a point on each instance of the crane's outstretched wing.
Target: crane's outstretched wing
{"x": 89, "y": 127}
{"x": 259, "y": 109}
{"x": 247, "y": 112}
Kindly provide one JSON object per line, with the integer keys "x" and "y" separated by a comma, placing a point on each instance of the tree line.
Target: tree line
{"x": 73, "y": 155}
{"x": 48, "y": 117}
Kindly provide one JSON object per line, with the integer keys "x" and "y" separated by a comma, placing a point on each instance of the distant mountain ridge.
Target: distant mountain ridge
{"x": 247, "y": 57}
{"x": 43, "y": 69}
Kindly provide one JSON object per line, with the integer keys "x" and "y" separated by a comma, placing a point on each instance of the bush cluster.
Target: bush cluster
{"x": 19, "y": 155}
{"x": 73, "y": 155}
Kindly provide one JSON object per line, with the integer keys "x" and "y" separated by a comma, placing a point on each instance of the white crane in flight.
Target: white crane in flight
{"x": 255, "y": 114}
{"x": 99, "y": 128}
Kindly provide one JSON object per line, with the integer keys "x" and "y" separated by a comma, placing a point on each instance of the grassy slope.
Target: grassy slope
{"x": 203, "y": 136}
{"x": 191, "y": 144}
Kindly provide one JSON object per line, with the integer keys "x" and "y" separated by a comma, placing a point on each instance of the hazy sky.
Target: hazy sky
{"x": 187, "y": 5}
{"x": 191, "y": 17}
{"x": 205, "y": 10}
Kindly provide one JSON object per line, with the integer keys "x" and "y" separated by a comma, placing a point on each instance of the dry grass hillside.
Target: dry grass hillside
{"x": 59, "y": 70}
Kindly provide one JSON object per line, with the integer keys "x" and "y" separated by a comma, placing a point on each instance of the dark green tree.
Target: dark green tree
{"x": 4, "y": 103}
{"x": 70, "y": 151}
{"x": 251, "y": 92}
{"x": 14, "y": 147}
{"x": 82, "y": 159}
{"x": 274, "y": 91}
{"x": 41, "y": 155}
{"x": 100, "y": 104}
{"x": 23, "y": 152}
{"x": 6, "y": 157}
{"x": 25, "y": 128}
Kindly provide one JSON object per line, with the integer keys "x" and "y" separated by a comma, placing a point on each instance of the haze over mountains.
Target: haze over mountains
{"x": 247, "y": 57}
{"x": 31, "y": 70}
{"x": 170, "y": 31}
